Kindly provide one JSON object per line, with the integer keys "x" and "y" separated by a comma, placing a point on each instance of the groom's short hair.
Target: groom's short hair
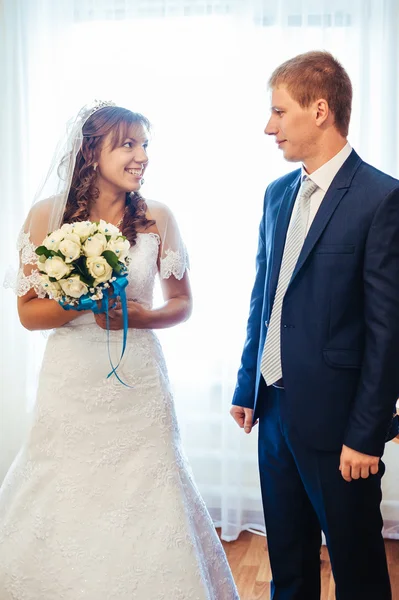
{"x": 315, "y": 75}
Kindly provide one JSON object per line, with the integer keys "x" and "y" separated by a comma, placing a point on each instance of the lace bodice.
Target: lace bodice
{"x": 143, "y": 269}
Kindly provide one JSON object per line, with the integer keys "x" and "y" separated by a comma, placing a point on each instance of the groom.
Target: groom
{"x": 320, "y": 366}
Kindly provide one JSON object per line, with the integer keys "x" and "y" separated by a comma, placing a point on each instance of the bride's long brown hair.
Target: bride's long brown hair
{"x": 83, "y": 191}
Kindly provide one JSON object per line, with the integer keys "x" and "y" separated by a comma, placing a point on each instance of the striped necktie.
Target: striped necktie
{"x": 271, "y": 358}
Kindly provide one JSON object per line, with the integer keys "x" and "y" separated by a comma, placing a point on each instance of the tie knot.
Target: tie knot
{"x": 308, "y": 187}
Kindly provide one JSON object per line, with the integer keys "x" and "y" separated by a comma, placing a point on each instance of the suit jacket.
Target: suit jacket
{"x": 340, "y": 315}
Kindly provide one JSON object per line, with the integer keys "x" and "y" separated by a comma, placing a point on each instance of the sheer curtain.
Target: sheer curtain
{"x": 198, "y": 70}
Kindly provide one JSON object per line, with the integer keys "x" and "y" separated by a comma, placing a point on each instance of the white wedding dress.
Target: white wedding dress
{"x": 100, "y": 503}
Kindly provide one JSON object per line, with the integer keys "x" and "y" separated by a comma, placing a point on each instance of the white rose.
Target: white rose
{"x": 83, "y": 229}
{"x": 95, "y": 245}
{"x": 73, "y": 237}
{"x": 55, "y": 291}
{"x": 120, "y": 247}
{"x": 52, "y": 288}
{"x": 74, "y": 287}
{"x": 55, "y": 267}
{"x": 52, "y": 241}
{"x": 67, "y": 227}
{"x": 107, "y": 228}
{"x": 70, "y": 249}
{"x": 99, "y": 269}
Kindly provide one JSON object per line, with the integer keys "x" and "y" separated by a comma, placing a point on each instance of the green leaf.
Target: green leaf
{"x": 87, "y": 280}
{"x": 81, "y": 268}
{"x": 43, "y": 251}
{"x": 111, "y": 258}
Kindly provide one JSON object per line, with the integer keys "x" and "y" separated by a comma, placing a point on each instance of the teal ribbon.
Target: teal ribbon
{"x": 86, "y": 303}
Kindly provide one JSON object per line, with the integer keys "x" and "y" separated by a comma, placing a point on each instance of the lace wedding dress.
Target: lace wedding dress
{"x": 100, "y": 503}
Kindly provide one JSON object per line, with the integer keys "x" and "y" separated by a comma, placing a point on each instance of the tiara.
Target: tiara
{"x": 101, "y": 104}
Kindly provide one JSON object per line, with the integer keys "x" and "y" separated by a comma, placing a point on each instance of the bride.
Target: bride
{"x": 100, "y": 502}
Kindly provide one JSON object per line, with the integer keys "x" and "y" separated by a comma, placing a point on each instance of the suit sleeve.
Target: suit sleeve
{"x": 378, "y": 389}
{"x": 244, "y": 394}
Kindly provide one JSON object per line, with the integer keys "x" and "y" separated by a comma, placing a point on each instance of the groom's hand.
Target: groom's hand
{"x": 243, "y": 417}
{"x": 354, "y": 464}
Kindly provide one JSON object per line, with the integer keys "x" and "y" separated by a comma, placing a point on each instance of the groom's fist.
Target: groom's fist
{"x": 356, "y": 465}
{"x": 243, "y": 417}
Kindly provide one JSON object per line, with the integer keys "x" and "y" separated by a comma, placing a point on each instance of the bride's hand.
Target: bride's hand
{"x": 138, "y": 317}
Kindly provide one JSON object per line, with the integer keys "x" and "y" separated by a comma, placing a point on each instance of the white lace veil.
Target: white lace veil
{"x": 49, "y": 203}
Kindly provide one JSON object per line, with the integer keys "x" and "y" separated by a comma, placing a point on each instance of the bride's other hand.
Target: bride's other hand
{"x": 138, "y": 317}
{"x": 176, "y": 308}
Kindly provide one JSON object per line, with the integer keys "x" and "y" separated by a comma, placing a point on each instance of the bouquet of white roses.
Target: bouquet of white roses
{"x": 81, "y": 260}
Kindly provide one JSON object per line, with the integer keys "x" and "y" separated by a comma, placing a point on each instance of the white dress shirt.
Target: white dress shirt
{"x": 323, "y": 177}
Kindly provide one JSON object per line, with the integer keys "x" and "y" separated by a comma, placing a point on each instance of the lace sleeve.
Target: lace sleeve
{"x": 174, "y": 262}
{"x": 27, "y": 277}
{"x": 32, "y": 234}
{"x": 173, "y": 254}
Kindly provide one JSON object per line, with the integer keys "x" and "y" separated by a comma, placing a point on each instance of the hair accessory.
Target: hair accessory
{"x": 98, "y": 104}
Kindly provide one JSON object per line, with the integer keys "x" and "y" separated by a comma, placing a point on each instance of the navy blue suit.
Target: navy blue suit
{"x": 340, "y": 364}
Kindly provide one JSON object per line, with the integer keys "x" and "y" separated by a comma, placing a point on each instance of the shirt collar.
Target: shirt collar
{"x": 324, "y": 175}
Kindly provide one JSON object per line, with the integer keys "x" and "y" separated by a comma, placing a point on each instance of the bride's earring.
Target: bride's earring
{"x": 142, "y": 180}
{"x": 95, "y": 166}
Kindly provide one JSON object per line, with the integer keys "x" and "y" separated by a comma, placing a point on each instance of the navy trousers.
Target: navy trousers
{"x": 303, "y": 493}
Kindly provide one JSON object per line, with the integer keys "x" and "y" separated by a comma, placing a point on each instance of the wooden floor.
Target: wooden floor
{"x": 249, "y": 561}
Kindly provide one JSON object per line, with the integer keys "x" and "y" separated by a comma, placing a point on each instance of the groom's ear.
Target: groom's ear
{"x": 321, "y": 111}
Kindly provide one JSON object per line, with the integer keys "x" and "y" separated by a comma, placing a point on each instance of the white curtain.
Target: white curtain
{"x": 198, "y": 70}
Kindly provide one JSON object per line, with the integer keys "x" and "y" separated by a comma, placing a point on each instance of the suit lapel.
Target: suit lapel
{"x": 330, "y": 202}
{"x": 280, "y": 232}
